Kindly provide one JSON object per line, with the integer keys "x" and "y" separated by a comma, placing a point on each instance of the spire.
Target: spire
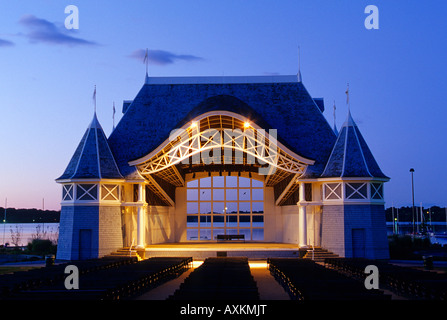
{"x": 351, "y": 156}
{"x": 93, "y": 158}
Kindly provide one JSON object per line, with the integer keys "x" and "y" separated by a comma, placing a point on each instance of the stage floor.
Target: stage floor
{"x": 227, "y": 245}
{"x": 200, "y": 250}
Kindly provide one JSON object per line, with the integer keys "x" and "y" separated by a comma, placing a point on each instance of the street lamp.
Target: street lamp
{"x": 412, "y": 193}
{"x": 4, "y": 222}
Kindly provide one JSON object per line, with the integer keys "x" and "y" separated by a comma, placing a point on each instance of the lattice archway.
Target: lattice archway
{"x": 221, "y": 139}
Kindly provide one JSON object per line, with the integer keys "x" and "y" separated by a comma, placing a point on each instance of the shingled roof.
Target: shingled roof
{"x": 351, "y": 156}
{"x": 280, "y": 102}
{"x": 93, "y": 158}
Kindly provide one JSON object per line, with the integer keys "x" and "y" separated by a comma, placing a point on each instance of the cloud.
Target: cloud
{"x": 6, "y": 43}
{"x": 41, "y": 30}
{"x": 162, "y": 57}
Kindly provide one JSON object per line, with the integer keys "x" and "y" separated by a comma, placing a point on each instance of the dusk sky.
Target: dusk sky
{"x": 396, "y": 74}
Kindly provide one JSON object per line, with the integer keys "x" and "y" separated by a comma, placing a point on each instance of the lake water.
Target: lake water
{"x": 437, "y": 228}
{"x": 25, "y": 232}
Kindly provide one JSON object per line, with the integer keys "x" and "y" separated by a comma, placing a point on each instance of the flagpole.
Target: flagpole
{"x": 347, "y": 98}
{"x": 335, "y": 124}
{"x": 146, "y": 60}
{"x": 4, "y": 221}
{"x": 94, "y": 98}
{"x": 113, "y": 115}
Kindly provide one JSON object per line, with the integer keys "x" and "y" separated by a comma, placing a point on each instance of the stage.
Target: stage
{"x": 202, "y": 250}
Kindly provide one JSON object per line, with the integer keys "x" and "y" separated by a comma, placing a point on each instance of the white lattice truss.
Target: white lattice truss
{"x": 194, "y": 144}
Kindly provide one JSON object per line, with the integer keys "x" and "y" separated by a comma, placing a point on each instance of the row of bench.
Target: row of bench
{"x": 35, "y": 278}
{"x": 121, "y": 281}
{"x": 401, "y": 280}
{"x": 220, "y": 278}
{"x": 306, "y": 280}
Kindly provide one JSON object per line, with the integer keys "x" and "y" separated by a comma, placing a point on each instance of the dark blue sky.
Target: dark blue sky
{"x": 396, "y": 75}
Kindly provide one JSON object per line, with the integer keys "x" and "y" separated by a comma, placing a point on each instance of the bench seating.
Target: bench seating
{"x": 225, "y": 237}
{"x": 402, "y": 280}
{"x": 100, "y": 279}
{"x": 306, "y": 280}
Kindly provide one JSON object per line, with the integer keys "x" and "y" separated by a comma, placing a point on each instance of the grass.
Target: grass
{"x": 6, "y": 270}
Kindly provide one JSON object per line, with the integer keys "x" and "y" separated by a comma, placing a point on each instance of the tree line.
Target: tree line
{"x": 434, "y": 214}
{"x": 29, "y": 215}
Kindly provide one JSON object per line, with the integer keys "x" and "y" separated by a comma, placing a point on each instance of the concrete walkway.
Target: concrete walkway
{"x": 268, "y": 287}
{"x": 163, "y": 291}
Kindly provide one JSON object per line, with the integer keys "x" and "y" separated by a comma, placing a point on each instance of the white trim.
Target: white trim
{"x": 109, "y": 192}
{"x": 119, "y": 181}
{"x": 97, "y": 151}
{"x": 134, "y": 204}
{"x": 356, "y": 191}
{"x": 86, "y": 191}
{"x": 344, "y": 199}
{"x": 344, "y": 152}
{"x": 352, "y": 201}
{"x": 90, "y": 203}
{"x": 82, "y": 152}
{"x": 183, "y": 144}
{"x": 111, "y": 153}
{"x": 346, "y": 179}
{"x": 67, "y": 191}
{"x": 332, "y": 191}
{"x": 361, "y": 151}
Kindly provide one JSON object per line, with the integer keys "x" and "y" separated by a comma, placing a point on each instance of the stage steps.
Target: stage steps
{"x": 319, "y": 254}
{"x": 126, "y": 252}
{"x": 203, "y": 254}
{"x": 203, "y": 251}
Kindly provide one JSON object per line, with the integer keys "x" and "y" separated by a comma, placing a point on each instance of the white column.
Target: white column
{"x": 140, "y": 218}
{"x": 302, "y": 221}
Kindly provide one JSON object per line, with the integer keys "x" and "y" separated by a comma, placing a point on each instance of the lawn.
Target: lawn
{"x": 8, "y": 269}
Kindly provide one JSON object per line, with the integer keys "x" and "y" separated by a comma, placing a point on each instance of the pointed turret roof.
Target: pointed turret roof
{"x": 351, "y": 156}
{"x": 93, "y": 158}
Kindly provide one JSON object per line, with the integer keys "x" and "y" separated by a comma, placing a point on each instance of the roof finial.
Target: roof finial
{"x": 299, "y": 65}
{"x": 146, "y": 61}
{"x": 335, "y": 123}
{"x": 94, "y": 99}
{"x": 113, "y": 115}
{"x": 347, "y": 98}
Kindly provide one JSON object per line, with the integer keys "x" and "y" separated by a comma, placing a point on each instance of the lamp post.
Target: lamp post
{"x": 412, "y": 193}
{"x": 4, "y": 222}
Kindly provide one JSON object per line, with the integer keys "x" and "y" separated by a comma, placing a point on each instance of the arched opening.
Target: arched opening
{"x": 224, "y": 142}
